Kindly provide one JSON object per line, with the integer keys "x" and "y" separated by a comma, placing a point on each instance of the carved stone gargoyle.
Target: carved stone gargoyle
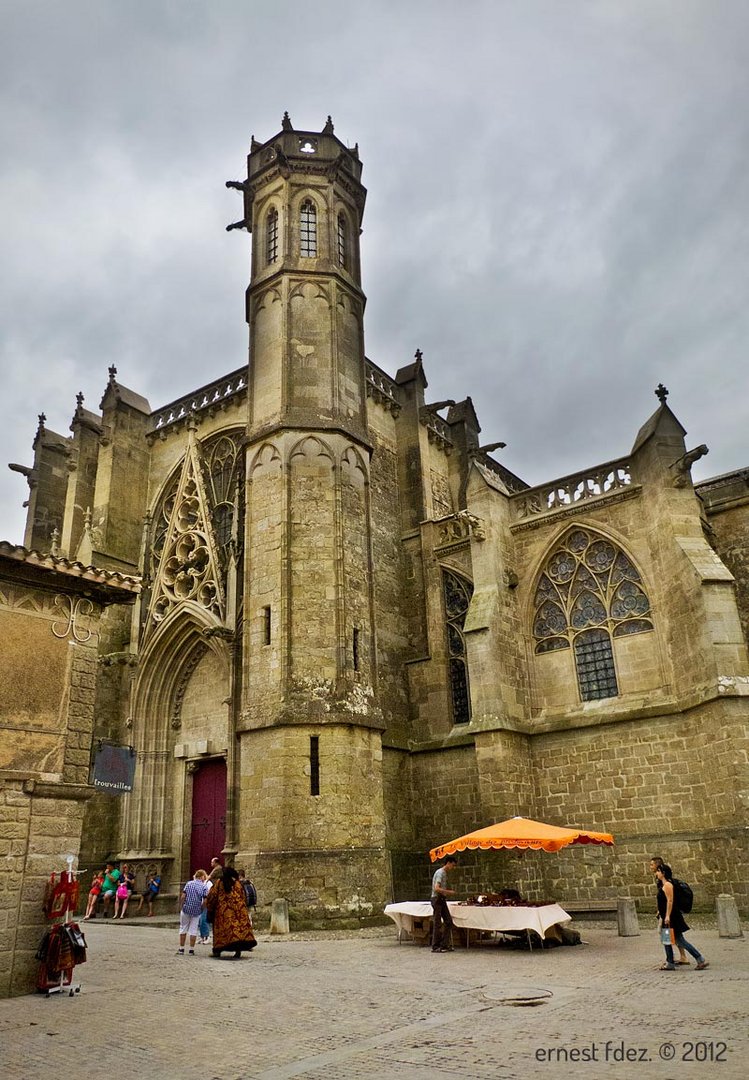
{"x": 685, "y": 463}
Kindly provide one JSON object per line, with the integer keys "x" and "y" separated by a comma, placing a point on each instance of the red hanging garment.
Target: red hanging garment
{"x": 61, "y": 896}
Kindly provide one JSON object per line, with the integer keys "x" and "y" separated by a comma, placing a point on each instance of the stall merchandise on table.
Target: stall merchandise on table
{"x": 508, "y": 918}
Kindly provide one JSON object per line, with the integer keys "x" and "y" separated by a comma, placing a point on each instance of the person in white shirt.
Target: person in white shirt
{"x": 442, "y": 922}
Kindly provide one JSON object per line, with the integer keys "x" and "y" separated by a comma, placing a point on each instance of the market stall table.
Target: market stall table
{"x": 500, "y": 919}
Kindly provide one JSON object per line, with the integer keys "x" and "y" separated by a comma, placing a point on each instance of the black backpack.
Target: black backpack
{"x": 250, "y": 893}
{"x": 684, "y": 896}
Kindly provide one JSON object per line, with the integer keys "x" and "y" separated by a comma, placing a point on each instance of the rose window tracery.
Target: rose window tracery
{"x": 589, "y": 591}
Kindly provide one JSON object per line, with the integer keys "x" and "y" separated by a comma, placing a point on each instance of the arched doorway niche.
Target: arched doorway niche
{"x": 181, "y": 717}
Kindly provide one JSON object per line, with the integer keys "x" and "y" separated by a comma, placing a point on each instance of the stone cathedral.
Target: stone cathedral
{"x": 359, "y": 634}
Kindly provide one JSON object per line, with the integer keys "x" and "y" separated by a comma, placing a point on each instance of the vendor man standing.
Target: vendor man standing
{"x": 442, "y": 922}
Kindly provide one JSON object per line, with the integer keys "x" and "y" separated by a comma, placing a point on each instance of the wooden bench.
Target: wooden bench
{"x": 590, "y": 908}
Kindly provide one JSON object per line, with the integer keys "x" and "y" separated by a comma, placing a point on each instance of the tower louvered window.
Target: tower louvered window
{"x": 457, "y": 595}
{"x": 271, "y": 236}
{"x": 308, "y": 230}
{"x": 589, "y": 593}
{"x": 342, "y": 259}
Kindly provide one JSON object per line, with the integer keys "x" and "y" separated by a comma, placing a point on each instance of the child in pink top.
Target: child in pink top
{"x": 121, "y": 898}
{"x": 94, "y": 893}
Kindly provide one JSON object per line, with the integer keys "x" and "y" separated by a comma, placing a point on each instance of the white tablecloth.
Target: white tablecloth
{"x": 471, "y": 916}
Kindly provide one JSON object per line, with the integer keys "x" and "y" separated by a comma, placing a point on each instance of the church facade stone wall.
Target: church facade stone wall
{"x": 372, "y": 634}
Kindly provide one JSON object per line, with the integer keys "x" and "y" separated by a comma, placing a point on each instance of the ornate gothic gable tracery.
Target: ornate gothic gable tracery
{"x": 222, "y": 472}
{"x": 189, "y": 566}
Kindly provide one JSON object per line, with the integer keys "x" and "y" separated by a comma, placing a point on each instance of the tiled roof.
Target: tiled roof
{"x": 44, "y": 561}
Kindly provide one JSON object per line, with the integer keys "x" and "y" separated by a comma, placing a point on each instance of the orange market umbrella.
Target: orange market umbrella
{"x": 520, "y": 832}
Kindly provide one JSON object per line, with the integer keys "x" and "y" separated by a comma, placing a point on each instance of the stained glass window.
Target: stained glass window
{"x": 223, "y": 464}
{"x": 223, "y": 518}
{"x": 594, "y": 661}
{"x": 589, "y": 591}
{"x": 308, "y": 230}
{"x": 457, "y": 595}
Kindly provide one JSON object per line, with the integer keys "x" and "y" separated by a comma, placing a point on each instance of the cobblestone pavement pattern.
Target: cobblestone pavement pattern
{"x": 358, "y": 1005}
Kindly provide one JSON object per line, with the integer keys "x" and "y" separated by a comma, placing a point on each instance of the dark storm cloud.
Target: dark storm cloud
{"x": 556, "y": 213}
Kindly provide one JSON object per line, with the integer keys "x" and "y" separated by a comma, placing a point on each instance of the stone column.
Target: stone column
{"x": 626, "y": 918}
{"x": 279, "y": 917}
{"x": 728, "y": 917}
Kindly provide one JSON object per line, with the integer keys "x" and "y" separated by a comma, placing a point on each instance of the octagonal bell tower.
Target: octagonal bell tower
{"x": 303, "y": 204}
{"x": 311, "y": 817}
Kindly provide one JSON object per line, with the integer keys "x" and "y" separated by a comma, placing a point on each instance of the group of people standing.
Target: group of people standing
{"x": 221, "y": 898}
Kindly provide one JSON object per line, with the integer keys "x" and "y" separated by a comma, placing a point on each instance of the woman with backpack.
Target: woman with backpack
{"x": 655, "y": 862}
{"x": 672, "y": 922}
{"x": 250, "y": 892}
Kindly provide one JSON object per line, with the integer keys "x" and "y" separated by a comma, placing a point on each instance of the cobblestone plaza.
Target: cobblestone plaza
{"x": 351, "y": 1005}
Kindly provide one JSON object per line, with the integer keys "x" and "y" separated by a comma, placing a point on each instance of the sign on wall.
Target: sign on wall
{"x": 114, "y": 769}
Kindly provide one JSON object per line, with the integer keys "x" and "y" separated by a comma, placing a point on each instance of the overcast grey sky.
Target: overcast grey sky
{"x": 557, "y": 210}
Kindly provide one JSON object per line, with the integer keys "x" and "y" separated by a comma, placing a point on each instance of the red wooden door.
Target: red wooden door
{"x": 208, "y": 814}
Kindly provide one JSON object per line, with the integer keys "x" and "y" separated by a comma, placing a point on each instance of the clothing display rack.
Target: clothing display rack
{"x": 63, "y": 946}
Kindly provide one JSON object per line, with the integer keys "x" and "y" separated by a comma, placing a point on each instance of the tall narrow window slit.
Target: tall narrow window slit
{"x": 314, "y": 764}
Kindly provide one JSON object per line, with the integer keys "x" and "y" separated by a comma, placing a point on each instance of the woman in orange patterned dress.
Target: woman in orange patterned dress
{"x": 227, "y": 911}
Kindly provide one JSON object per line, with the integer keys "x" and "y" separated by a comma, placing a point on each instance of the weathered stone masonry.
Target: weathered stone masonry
{"x": 50, "y": 610}
{"x": 372, "y": 632}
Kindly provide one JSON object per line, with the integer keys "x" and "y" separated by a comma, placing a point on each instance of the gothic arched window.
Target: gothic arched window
{"x": 342, "y": 242}
{"x": 271, "y": 236}
{"x": 308, "y": 230}
{"x": 160, "y": 523}
{"x": 457, "y": 593}
{"x": 589, "y": 592}
{"x": 223, "y": 466}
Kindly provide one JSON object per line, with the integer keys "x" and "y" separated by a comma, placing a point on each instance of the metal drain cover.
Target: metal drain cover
{"x": 517, "y": 995}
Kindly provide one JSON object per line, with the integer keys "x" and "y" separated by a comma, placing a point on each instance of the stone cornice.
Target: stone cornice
{"x": 726, "y": 688}
{"x": 42, "y": 789}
